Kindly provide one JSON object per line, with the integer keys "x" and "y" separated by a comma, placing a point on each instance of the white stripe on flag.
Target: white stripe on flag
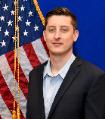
{"x": 8, "y": 76}
{"x": 24, "y": 62}
{"x": 4, "y": 111}
{"x": 40, "y": 50}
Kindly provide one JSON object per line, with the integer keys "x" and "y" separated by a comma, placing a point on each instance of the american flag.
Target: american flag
{"x": 32, "y": 52}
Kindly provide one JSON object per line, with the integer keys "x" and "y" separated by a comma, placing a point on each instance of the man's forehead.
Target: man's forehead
{"x": 60, "y": 16}
{"x": 59, "y": 19}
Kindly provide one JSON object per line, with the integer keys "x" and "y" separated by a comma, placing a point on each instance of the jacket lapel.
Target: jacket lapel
{"x": 73, "y": 71}
{"x": 38, "y": 100}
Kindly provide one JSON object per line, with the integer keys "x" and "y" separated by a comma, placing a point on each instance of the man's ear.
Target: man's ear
{"x": 76, "y": 35}
{"x": 44, "y": 35}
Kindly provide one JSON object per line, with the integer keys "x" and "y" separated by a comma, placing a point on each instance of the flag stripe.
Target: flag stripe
{"x": 44, "y": 45}
{"x": 23, "y": 80}
{"x": 0, "y": 117}
{"x": 8, "y": 97}
{"x": 4, "y": 111}
{"x": 5, "y": 92}
{"x": 40, "y": 50}
{"x": 8, "y": 77}
{"x": 25, "y": 63}
{"x": 31, "y": 54}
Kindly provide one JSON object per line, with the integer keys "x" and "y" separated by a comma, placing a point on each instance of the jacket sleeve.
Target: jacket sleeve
{"x": 95, "y": 101}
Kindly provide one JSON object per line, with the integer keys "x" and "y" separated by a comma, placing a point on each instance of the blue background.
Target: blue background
{"x": 91, "y": 24}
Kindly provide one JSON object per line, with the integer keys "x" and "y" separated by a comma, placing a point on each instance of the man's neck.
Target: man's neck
{"x": 57, "y": 62}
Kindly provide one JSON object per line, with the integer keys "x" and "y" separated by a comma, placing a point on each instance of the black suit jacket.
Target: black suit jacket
{"x": 81, "y": 95}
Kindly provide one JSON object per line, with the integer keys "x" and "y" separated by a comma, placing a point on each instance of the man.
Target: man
{"x": 65, "y": 87}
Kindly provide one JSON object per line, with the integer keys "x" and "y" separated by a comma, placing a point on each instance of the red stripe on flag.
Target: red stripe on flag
{"x": 44, "y": 44}
{"x": 0, "y": 117}
{"x": 6, "y": 95}
{"x": 23, "y": 80}
{"x": 31, "y": 55}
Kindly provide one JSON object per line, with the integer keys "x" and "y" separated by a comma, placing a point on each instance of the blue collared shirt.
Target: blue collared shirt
{"x": 51, "y": 83}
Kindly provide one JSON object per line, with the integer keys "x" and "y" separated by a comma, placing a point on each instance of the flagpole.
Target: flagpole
{"x": 39, "y": 12}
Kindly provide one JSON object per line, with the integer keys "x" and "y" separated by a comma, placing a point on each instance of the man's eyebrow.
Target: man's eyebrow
{"x": 65, "y": 26}
{"x": 60, "y": 26}
{"x": 51, "y": 26}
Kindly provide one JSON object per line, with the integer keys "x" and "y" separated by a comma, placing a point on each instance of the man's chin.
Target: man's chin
{"x": 57, "y": 53}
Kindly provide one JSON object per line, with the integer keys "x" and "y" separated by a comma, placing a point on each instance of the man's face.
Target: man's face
{"x": 60, "y": 35}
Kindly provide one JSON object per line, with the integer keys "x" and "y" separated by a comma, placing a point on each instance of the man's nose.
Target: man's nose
{"x": 57, "y": 35}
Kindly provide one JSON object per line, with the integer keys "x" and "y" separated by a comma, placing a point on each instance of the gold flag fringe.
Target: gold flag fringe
{"x": 16, "y": 109}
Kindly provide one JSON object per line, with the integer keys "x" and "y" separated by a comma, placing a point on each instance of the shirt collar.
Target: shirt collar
{"x": 63, "y": 71}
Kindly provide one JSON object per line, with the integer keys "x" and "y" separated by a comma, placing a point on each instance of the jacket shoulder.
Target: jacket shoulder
{"x": 91, "y": 68}
{"x": 38, "y": 68}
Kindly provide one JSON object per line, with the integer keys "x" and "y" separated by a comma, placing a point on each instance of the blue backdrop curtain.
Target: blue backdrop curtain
{"x": 91, "y": 25}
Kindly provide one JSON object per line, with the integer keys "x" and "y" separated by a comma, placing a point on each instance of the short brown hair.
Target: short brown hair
{"x": 61, "y": 11}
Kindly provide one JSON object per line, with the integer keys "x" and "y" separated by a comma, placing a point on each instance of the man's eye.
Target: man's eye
{"x": 51, "y": 30}
{"x": 64, "y": 30}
